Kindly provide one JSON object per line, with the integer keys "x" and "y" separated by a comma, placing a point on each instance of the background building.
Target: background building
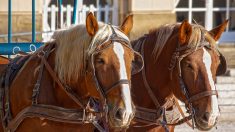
{"x": 148, "y": 14}
{"x": 21, "y": 19}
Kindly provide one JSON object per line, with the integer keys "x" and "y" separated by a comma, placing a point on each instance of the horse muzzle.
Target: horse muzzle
{"x": 206, "y": 121}
{"x": 121, "y": 117}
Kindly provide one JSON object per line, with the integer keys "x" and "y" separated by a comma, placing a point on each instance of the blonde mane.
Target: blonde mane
{"x": 73, "y": 48}
{"x": 164, "y": 32}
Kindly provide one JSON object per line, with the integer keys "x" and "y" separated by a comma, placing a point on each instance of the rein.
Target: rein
{"x": 156, "y": 116}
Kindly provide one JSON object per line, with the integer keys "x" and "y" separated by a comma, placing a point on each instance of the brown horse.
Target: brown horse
{"x": 3, "y": 63}
{"x": 4, "y": 60}
{"x": 181, "y": 60}
{"x": 79, "y": 79}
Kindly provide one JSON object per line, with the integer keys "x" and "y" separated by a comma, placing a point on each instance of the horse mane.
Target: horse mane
{"x": 164, "y": 32}
{"x": 73, "y": 48}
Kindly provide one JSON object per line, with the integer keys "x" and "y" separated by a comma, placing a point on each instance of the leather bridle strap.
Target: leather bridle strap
{"x": 146, "y": 84}
{"x": 183, "y": 115}
{"x": 120, "y": 82}
{"x": 66, "y": 89}
{"x": 201, "y": 95}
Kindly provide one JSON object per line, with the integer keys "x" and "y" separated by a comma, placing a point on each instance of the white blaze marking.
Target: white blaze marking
{"x": 214, "y": 105}
{"x": 118, "y": 49}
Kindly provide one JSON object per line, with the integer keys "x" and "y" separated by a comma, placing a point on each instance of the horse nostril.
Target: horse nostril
{"x": 206, "y": 116}
{"x": 119, "y": 114}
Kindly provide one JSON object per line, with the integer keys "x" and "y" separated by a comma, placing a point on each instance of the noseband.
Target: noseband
{"x": 176, "y": 59}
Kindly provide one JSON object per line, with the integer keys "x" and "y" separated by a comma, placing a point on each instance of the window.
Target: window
{"x": 208, "y": 13}
{"x": 192, "y": 10}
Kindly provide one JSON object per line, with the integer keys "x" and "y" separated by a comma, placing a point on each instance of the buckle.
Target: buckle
{"x": 41, "y": 53}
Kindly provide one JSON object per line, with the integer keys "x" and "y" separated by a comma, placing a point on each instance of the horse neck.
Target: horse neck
{"x": 157, "y": 74}
{"x": 53, "y": 92}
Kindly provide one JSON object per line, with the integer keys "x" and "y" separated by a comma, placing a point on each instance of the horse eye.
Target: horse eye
{"x": 189, "y": 66}
{"x": 100, "y": 61}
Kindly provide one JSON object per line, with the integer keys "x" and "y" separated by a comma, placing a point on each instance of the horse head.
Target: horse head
{"x": 113, "y": 62}
{"x": 198, "y": 63}
{"x": 102, "y": 68}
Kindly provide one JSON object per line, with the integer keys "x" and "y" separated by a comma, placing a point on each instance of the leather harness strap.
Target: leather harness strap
{"x": 36, "y": 89}
{"x": 201, "y": 95}
{"x": 50, "y": 112}
{"x": 54, "y": 113}
{"x": 66, "y": 89}
{"x": 151, "y": 116}
{"x": 122, "y": 81}
{"x": 146, "y": 84}
{"x": 183, "y": 115}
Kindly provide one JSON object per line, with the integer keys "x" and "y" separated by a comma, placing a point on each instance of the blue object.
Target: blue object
{"x": 11, "y": 48}
{"x": 14, "y": 48}
{"x": 33, "y": 22}
{"x": 60, "y": 12}
{"x": 74, "y": 11}
{"x": 9, "y": 22}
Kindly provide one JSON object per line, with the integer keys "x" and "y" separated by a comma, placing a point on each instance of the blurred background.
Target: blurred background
{"x": 148, "y": 14}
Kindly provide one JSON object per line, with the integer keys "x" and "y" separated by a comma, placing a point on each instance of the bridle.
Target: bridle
{"x": 113, "y": 38}
{"x": 180, "y": 53}
{"x": 91, "y": 112}
{"x": 104, "y": 92}
{"x": 149, "y": 116}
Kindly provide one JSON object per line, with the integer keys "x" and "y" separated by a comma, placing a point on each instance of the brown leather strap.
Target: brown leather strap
{"x": 122, "y": 81}
{"x": 154, "y": 116}
{"x": 202, "y": 94}
{"x": 146, "y": 84}
{"x": 36, "y": 89}
{"x": 182, "y": 113}
{"x": 147, "y": 115}
{"x": 49, "y": 112}
{"x": 66, "y": 89}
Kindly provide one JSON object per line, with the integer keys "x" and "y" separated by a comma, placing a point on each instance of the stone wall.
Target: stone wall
{"x": 21, "y": 22}
{"x": 144, "y": 22}
{"x": 229, "y": 52}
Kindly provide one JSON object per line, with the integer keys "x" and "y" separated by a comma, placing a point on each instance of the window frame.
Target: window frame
{"x": 209, "y": 10}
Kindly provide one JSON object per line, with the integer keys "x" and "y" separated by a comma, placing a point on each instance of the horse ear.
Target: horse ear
{"x": 217, "y": 31}
{"x": 127, "y": 24}
{"x": 91, "y": 24}
{"x": 185, "y": 31}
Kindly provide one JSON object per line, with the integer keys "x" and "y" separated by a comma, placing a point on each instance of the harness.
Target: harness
{"x": 161, "y": 115}
{"x": 90, "y": 112}
{"x": 177, "y": 58}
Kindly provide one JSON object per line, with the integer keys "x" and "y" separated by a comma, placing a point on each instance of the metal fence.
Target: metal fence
{"x": 55, "y": 17}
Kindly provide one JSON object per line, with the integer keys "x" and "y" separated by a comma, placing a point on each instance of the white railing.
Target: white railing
{"x": 107, "y": 14}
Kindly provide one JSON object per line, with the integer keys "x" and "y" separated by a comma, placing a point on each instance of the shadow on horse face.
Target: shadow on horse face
{"x": 199, "y": 68}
